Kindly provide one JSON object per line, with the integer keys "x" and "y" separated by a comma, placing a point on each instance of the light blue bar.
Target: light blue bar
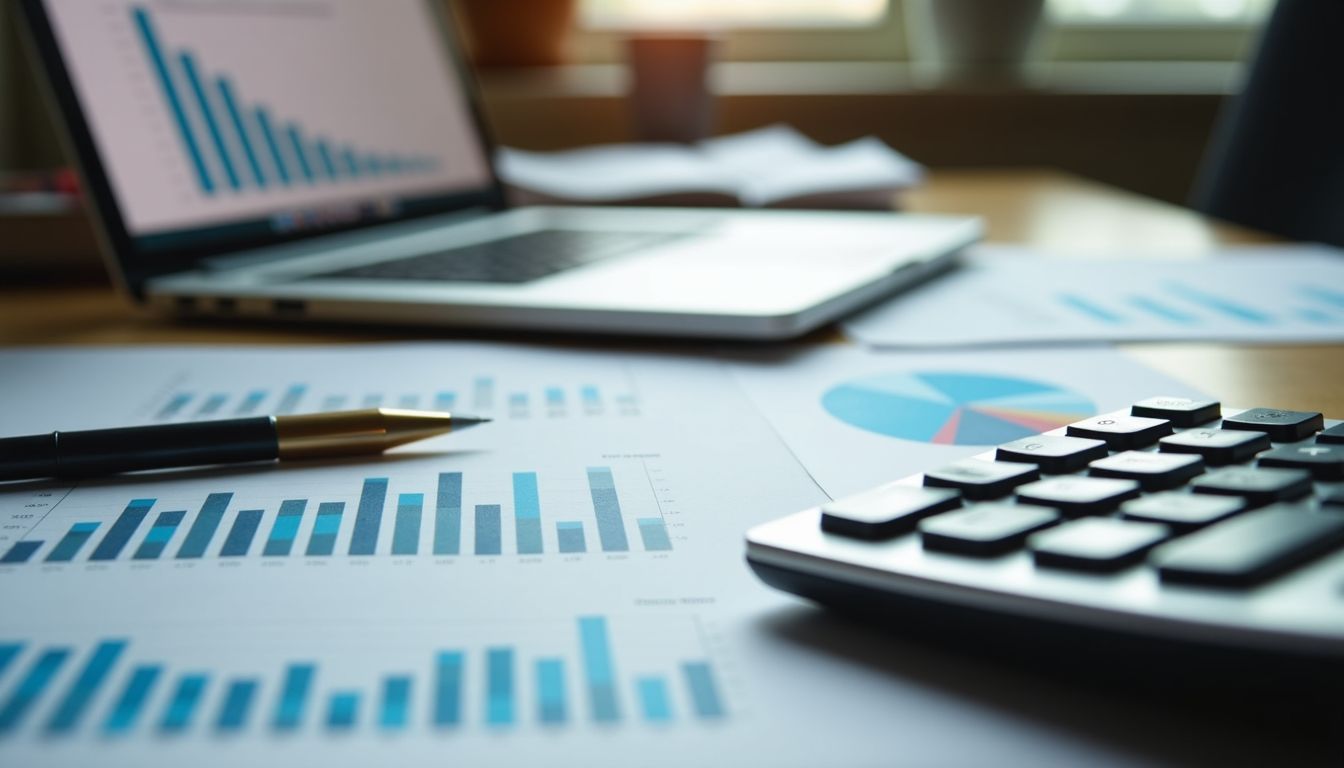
{"x": 296, "y": 146}
{"x": 369, "y": 516}
{"x": 293, "y": 696}
{"x": 1216, "y": 303}
{"x": 126, "y": 711}
{"x": 70, "y": 544}
{"x": 653, "y": 699}
{"x": 174, "y": 405}
{"x": 1313, "y": 315}
{"x": 704, "y": 693}
{"x": 182, "y": 706}
{"x": 8, "y": 653}
{"x": 499, "y": 686}
{"x": 408, "y": 401}
{"x": 555, "y": 397}
{"x": 448, "y": 689}
{"x": 448, "y": 515}
{"x": 156, "y": 55}
{"x": 21, "y": 551}
{"x": 71, "y": 708}
{"x": 289, "y": 402}
{"x": 251, "y": 402}
{"x": 342, "y": 710}
{"x": 263, "y": 119}
{"x": 285, "y": 528}
{"x": 488, "y": 536}
{"x": 607, "y": 508}
{"x": 351, "y": 166}
{"x": 590, "y": 395}
{"x": 237, "y": 705}
{"x": 483, "y": 392}
{"x": 372, "y": 400}
{"x": 1325, "y": 294}
{"x": 322, "y": 541}
{"x": 188, "y": 62}
{"x": 653, "y": 532}
{"x": 31, "y": 687}
{"x": 551, "y": 691}
{"x": 236, "y": 117}
{"x": 120, "y": 532}
{"x": 1090, "y": 308}
{"x": 212, "y": 404}
{"x": 1162, "y": 311}
{"x": 518, "y": 400}
{"x": 239, "y": 540}
{"x": 570, "y": 536}
{"x": 333, "y": 402}
{"x": 444, "y": 401}
{"x": 406, "y": 534}
{"x": 598, "y": 669}
{"x": 527, "y": 513}
{"x": 203, "y": 529}
{"x": 328, "y": 162}
{"x": 165, "y": 525}
{"x": 396, "y": 703}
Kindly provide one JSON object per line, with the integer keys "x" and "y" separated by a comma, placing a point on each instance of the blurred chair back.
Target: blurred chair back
{"x": 1276, "y": 159}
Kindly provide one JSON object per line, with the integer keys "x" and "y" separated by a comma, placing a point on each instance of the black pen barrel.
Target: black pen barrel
{"x": 108, "y": 451}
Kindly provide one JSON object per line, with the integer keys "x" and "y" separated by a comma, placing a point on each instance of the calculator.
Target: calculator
{"x": 1175, "y": 523}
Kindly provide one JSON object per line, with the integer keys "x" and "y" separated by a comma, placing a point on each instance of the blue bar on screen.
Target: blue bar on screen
{"x": 236, "y": 118}
{"x": 273, "y": 147}
{"x": 71, "y": 708}
{"x": 149, "y": 38}
{"x": 237, "y": 704}
{"x": 188, "y": 62}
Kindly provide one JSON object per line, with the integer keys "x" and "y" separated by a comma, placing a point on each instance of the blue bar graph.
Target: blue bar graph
{"x": 293, "y": 696}
{"x": 369, "y": 516}
{"x": 342, "y": 710}
{"x": 448, "y": 689}
{"x": 227, "y": 96}
{"x": 1162, "y": 310}
{"x": 70, "y": 544}
{"x": 598, "y": 670}
{"x": 8, "y": 652}
{"x": 1216, "y": 303}
{"x": 653, "y": 532}
{"x": 272, "y": 145}
{"x": 488, "y": 536}
{"x": 251, "y": 402}
{"x": 704, "y": 693}
{"x": 126, "y": 711}
{"x": 483, "y": 392}
{"x": 499, "y": 686}
{"x": 328, "y": 162}
{"x": 21, "y": 552}
{"x": 289, "y": 402}
{"x": 610, "y": 526}
{"x": 570, "y": 536}
{"x": 237, "y": 704}
{"x": 239, "y": 540}
{"x": 212, "y": 404}
{"x": 372, "y": 400}
{"x": 71, "y": 708}
{"x": 205, "y": 525}
{"x": 396, "y": 703}
{"x": 444, "y": 401}
{"x": 160, "y": 533}
{"x": 285, "y": 528}
{"x": 448, "y": 515}
{"x": 653, "y": 699}
{"x": 406, "y": 533}
{"x": 1320, "y": 293}
{"x": 296, "y": 146}
{"x": 555, "y": 397}
{"x": 174, "y": 405}
{"x": 159, "y": 60}
{"x": 182, "y": 705}
{"x": 527, "y": 513}
{"x": 592, "y": 398}
{"x": 551, "y": 691}
{"x": 1090, "y": 308}
{"x": 322, "y": 541}
{"x": 409, "y": 400}
{"x": 120, "y": 532}
{"x": 188, "y": 63}
{"x": 31, "y": 687}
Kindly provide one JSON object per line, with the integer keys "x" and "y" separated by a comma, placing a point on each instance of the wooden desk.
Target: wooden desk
{"x": 1034, "y": 207}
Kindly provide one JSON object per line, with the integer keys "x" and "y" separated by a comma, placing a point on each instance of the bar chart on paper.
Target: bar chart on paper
{"x": 579, "y": 672}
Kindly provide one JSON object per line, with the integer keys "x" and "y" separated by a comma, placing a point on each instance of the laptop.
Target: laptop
{"x": 328, "y": 162}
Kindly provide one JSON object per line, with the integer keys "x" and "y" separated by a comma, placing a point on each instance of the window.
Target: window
{"x": 1196, "y": 12}
{"x": 753, "y": 13}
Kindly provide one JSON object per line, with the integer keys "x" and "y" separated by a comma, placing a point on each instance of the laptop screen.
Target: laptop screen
{"x": 249, "y": 121}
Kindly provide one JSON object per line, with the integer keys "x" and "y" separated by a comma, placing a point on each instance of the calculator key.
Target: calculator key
{"x": 1257, "y": 486}
{"x": 1054, "y": 455}
{"x": 885, "y": 512}
{"x": 1217, "y": 446}
{"x": 1076, "y": 496}
{"x": 1121, "y": 433}
{"x": 1281, "y": 426}
{"x": 1153, "y": 471}
{"x": 985, "y": 529}
{"x": 1324, "y": 462}
{"x": 1180, "y": 411}
{"x": 1334, "y": 434}
{"x": 1096, "y": 543}
{"x": 978, "y": 479}
{"x": 1182, "y": 511}
{"x": 1250, "y": 548}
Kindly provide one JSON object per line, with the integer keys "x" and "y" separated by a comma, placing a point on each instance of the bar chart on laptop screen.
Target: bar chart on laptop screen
{"x": 215, "y": 110}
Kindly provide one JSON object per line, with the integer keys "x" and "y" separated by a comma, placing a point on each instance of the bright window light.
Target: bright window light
{"x": 1159, "y": 11}
{"x": 731, "y": 13}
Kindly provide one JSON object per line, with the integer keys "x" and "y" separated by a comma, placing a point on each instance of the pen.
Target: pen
{"x": 260, "y": 438}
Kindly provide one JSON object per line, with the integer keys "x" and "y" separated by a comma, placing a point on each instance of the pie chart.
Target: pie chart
{"x": 954, "y": 408}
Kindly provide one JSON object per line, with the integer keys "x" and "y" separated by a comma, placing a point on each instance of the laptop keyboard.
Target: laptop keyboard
{"x": 518, "y": 259}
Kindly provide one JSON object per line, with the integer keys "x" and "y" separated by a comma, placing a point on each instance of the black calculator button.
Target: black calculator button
{"x": 1054, "y": 455}
{"x": 1153, "y": 471}
{"x": 1217, "y": 446}
{"x": 1180, "y": 411}
{"x": 1096, "y": 543}
{"x": 1182, "y": 511}
{"x": 1281, "y": 426}
{"x": 885, "y": 512}
{"x": 985, "y": 529}
{"x": 1324, "y": 462}
{"x": 978, "y": 479}
{"x": 1121, "y": 433}
{"x": 1257, "y": 486}
{"x": 1250, "y": 548}
{"x": 1334, "y": 434}
{"x": 1076, "y": 496}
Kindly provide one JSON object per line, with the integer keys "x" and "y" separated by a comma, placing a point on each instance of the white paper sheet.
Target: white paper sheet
{"x": 1007, "y": 295}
